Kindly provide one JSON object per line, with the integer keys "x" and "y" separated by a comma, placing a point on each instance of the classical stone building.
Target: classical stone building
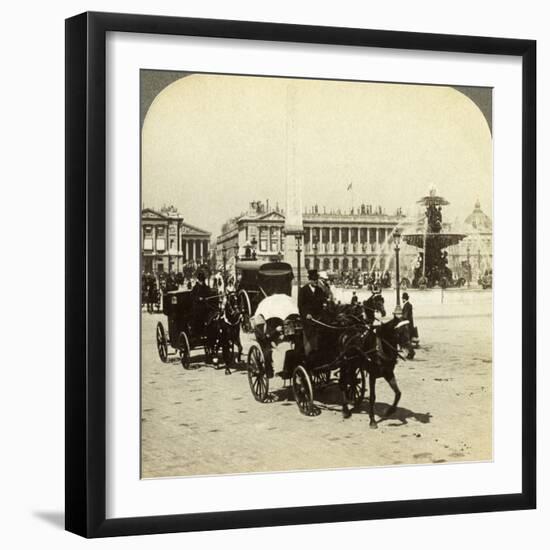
{"x": 168, "y": 243}
{"x": 477, "y": 246}
{"x": 333, "y": 240}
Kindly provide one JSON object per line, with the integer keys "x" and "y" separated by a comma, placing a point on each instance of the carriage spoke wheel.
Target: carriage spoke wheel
{"x": 162, "y": 345}
{"x": 185, "y": 351}
{"x": 303, "y": 392}
{"x": 257, "y": 376}
{"x": 356, "y": 387}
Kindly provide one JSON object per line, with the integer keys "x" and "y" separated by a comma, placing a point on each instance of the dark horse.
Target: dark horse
{"x": 374, "y": 347}
{"x": 230, "y": 326}
{"x": 380, "y": 346}
{"x": 224, "y": 332}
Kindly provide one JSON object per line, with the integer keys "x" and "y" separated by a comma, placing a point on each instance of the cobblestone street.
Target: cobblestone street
{"x": 200, "y": 421}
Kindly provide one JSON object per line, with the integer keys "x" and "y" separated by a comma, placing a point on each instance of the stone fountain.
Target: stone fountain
{"x": 432, "y": 240}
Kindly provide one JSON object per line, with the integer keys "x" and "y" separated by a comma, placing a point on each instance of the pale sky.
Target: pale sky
{"x": 213, "y": 143}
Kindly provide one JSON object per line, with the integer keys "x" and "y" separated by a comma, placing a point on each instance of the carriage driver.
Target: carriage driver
{"x": 311, "y": 301}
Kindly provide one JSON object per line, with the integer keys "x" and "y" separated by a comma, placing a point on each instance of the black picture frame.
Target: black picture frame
{"x": 86, "y": 284}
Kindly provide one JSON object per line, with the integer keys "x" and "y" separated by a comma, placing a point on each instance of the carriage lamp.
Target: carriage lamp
{"x": 397, "y": 241}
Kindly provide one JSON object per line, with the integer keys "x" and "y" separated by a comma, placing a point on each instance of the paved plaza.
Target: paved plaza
{"x": 200, "y": 421}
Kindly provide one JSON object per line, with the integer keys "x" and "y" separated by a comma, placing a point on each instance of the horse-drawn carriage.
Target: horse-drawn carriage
{"x": 258, "y": 280}
{"x": 188, "y": 324}
{"x": 277, "y": 325}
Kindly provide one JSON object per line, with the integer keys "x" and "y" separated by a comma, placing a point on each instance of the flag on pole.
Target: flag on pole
{"x": 350, "y": 186}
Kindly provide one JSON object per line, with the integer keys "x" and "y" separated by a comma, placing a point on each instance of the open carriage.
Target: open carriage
{"x": 258, "y": 280}
{"x": 187, "y": 315}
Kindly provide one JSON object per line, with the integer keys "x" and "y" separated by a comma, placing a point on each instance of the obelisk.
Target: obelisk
{"x": 294, "y": 227}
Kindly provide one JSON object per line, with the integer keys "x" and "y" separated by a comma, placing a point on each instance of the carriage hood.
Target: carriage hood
{"x": 278, "y": 305}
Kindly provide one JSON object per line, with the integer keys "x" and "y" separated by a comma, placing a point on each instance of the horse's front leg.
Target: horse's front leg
{"x": 393, "y": 385}
{"x": 372, "y": 400}
{"x": 227, "y": 351}
{"x": 239, "y": 345}
{"x": 345, "y": 389}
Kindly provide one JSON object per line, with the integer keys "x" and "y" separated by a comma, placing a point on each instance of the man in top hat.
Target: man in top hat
{"x": 311, "y": 301}
{"x": 407, "y": 315}
{"x": 369, "y": 304}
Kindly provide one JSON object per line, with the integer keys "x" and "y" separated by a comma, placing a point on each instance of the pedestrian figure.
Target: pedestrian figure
{"x": 408, "y": 316}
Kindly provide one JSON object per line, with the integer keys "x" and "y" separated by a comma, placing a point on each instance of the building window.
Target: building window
{"x": 335, "y": 235}
{"x": 148, "y": 244}
{"x": 363, "y": 235}
{"x": 353, "y": 235}
{"x": 307, "y": 263}
{"x": 372, "y": 237}
{"x": 307, "y": 235}
{"x": 315, "y": 234}
{"x": 263, "y": 239}
{"x": 326, "y": 264}
{"x": 364, "y": 264}
{"x": 274, "y": 239}
{"x": 345, "y": 234}
{"x": 336, "y": 264}
{"x": 325, "y": 234}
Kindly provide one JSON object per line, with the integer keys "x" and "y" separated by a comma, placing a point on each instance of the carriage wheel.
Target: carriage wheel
{"x": 257, "y": 377}
{"x": 303, "y": 390}
{"x": 356, "y": 386}
{"x": 162, "y": 345}
{"x": 246, "y": 311}
{"x": 185, "y": 350}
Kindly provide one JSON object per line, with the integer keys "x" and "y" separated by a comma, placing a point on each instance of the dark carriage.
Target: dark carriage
{"x": 258, "y": 280}
{"x": 186, "y": 315}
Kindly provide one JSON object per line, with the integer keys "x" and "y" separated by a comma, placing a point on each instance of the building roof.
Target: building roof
{"x": 479, "y": 220}
{"x": 148, "y": 214}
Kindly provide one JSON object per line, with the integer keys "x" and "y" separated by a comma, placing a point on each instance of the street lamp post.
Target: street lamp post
{"x": 479, "y": 262}
{"x": 314, "y": 246}
{"x": 469, "y": 268}
{"x": 345, "y": 258}
{"x": 224, "y": 257}
{"x": 397, "y": 240}
{"x": 298, "y": 253}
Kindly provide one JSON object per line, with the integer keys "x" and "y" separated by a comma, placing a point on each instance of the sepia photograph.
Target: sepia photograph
{"x": 316, "y": 274}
